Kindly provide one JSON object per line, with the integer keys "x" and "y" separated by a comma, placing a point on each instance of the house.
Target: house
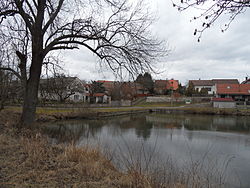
{"x": 238, "y": 92}
{"x": 101, "y": 98}
{"x": 210, "y": 85}
{"x": 223, "y": 103}
{"x": 61, "y": 89}
{"x": 231, "y": 95}
{"x": 173, "y": 84}
{"x": 163, "y": 86}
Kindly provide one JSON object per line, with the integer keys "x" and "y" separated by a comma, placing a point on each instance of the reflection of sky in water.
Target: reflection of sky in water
{"x": 183, "y": 137}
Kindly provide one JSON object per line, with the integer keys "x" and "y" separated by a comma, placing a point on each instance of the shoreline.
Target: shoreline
{"x": 104, "y": 113}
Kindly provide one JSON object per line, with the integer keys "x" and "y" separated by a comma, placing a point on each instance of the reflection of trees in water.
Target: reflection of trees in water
{"x": 201, "y": 122}
{"x": 142, "y": 127}
{"x": 71, "y": 131}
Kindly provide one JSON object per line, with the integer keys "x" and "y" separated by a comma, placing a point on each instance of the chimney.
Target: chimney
{"x": 246, "y": 78}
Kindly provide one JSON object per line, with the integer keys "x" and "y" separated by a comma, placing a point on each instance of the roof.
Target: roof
{"x": 222, "y": 100}
{"x": 99, "y": 94}
{"x": 233, "y": 89}
{"x": 225, "y": 81}
{"x": 213, "y": 82}
{"x": 202, "y": 82}
{"x": 107, "y": 84}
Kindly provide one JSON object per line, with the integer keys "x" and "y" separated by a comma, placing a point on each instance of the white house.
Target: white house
{"x": 210, "y": 85}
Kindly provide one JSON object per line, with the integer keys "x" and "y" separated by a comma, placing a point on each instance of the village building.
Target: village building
{"x": 238, "y": 92}
{"x": 231, "y": 95}
{"x": 210, "y": 85}
{"x": 164, "y": 86}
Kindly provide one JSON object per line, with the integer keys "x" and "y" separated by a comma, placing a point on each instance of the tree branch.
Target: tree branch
{"x": 11, "y": 70}
{"x": 53, "y": 16}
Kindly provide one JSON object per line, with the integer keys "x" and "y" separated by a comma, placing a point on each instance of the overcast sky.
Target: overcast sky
{"x": 218, "y": 55}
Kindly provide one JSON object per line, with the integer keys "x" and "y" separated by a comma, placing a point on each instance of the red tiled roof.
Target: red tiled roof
{"x": 225, "y": 81}
{"x": 234, "y": 89}
{"x": 222, "y": 100}
{"x": 99, "y": 94}
{"x": 213, "y": 82}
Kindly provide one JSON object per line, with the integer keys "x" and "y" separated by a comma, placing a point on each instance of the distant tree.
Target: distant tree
{"x": 5, "y": 81}
{"x": 211, "y": 10}
{"x": 181, "y": 89}
{"x": 190, "y": 90}
{"x": 204, "y": 91}
{"x": 115, "y": 92}
{"x": 97, "y": 87}
{"x": 146, "y": 81}
{"x": 59, "y": 87}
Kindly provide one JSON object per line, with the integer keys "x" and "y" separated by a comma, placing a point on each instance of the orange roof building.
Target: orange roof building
{"x": 235, "y": 91}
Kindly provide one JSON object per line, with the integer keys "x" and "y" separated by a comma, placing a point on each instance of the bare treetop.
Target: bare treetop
{"x": 112, "y": 29}
{"x": 211, "y": 10}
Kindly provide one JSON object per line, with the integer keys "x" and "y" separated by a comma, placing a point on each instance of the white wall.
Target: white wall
{"x": 224, "y": 104}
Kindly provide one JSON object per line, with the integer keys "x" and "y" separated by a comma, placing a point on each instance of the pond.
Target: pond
{"x": 214, "y": 147}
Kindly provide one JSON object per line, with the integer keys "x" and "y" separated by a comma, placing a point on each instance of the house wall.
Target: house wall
{"x": 77, "y": 97}
{"x": 212, "y": 89}
{"x": 218, "y": 104}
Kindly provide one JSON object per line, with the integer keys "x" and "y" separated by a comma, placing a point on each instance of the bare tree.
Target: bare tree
{"x": 211, "y": 10}
{"x": 118, "y": 33}
{"x": 59, "y": 87}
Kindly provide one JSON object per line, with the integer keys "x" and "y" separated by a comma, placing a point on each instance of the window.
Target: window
{"x": 76, "y": 97}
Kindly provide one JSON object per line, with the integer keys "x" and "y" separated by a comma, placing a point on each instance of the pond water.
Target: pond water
{"x": 216, "y": 146}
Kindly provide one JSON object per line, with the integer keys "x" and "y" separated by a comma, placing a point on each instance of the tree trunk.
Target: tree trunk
{"x": 31, "y": 92}
{"x": 32, "y": 85}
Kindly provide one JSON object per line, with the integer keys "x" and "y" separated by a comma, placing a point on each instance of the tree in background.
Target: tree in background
{"x": 211, "y": 10}
{"x": 181, "y": 89}
{"x": 190, "y": 90}
{"x": 59, "y": 87}
{"x": 97, "y": 87}
{"x": 114, "y": 30}
{"x": 204, "y": 91}
{"x": 5, "y": 84}
{"x": 146, "y": 81}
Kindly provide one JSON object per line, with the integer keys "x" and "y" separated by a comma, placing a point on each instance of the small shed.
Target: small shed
{"x": 223, "y": 103}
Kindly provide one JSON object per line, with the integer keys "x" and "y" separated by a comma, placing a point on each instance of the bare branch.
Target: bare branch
{"x": 11, "y": 70}
{"x": 212, "y": 10}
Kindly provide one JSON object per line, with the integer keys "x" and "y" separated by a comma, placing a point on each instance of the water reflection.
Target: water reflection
{"x": 143, "y": 125}
{"x": 183, "y": 137}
